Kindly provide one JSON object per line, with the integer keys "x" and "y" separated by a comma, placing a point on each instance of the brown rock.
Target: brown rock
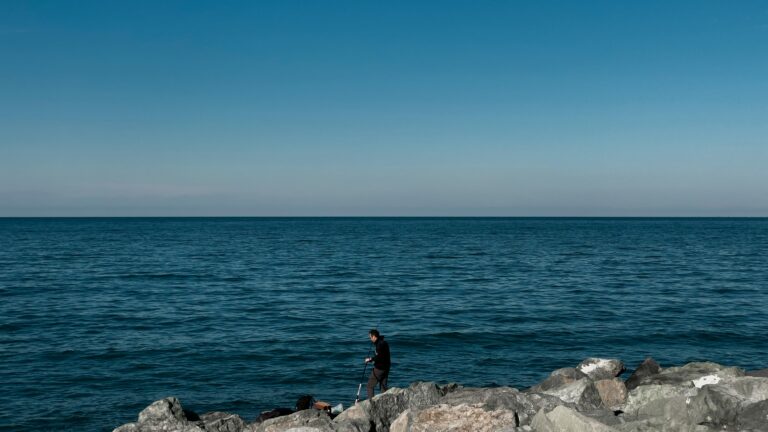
{"x": 612, "y": 392}
{"x": 461, "y": 418}
{"x": 647, "y": 368}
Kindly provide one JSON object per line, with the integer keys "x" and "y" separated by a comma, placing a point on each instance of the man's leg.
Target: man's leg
{"x": 383, "y": 379}
{"x": 372, "y": 380}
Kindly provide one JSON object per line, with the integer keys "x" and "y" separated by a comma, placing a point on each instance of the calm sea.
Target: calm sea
{"x": 100, "y": 317}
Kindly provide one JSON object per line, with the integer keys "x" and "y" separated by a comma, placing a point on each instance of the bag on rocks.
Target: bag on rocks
{"x": 304, "y": 402}
{"x": 322, "y": 406}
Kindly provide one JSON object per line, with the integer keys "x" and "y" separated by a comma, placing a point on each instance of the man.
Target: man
{"x": 381, "y": 363}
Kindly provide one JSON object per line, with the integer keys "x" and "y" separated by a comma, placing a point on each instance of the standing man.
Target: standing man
{"x": 381, "y": 363}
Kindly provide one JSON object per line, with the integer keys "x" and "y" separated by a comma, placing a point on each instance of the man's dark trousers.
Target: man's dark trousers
{"x": 378, "y": 376}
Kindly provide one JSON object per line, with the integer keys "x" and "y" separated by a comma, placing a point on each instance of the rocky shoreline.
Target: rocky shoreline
{"x": 696, "y": 397}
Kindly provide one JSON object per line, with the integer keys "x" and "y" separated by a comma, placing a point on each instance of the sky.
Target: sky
{"x": 383, "y": 108}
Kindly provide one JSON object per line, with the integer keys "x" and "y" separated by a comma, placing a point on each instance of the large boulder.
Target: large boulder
{"x": 582, "y": 394}
{"x": 724, "y": 404}
{"x": 168, "y": 409}
{"x": 708, "y": 401}
{"x": 356, "y": 418}
{"x": 647, "y": 368}
{"x": 694, "y": 374}
{"x": 309, "y": 420}
{"x": 455, "y": 418}
{"x": 613, "y": 393}
{"x": 378, "y": 413}
{"x": 754, "y": 417}
{"x": 751, "y": 389}
{"x": 222, "y": 422}
{"x": 162, "y": 416}
{"x": 564, "y": 419}
{"x": 162, "y": 426}
{"x": 653, "y": 400}
{"x": 598, "y": 368}
{"x": 525, "y": 406}
{"x": 557, "y": 379}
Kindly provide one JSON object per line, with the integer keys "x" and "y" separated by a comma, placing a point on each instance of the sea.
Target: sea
{"x": 99, "y": 317}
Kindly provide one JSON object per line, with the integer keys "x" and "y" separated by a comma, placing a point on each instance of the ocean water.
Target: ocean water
{"x": 100, "y": 317}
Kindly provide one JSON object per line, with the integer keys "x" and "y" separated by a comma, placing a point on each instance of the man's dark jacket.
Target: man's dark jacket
{"x": 381, "y": 356}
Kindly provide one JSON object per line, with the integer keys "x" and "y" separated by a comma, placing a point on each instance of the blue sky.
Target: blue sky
{"x": 497, "y": 108}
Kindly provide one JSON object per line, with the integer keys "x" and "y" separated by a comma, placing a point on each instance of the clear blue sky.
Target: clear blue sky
{"x": 358, "y": 107}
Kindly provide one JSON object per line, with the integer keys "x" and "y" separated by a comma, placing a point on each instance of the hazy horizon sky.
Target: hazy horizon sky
{"x": 358, "y": 108}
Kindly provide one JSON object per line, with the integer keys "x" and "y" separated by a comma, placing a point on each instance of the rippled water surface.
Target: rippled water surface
{"x": 100, "y": 317}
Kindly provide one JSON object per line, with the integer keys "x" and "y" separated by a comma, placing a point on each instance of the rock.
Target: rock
{"x": 583, "y": 394}
{"x": 597, "y": 368}
{"x": 694, "y": 374}
{"x": 454, "y": 418}
{"x": 525, "y": 406}
{"x": 563, "y": 419}
{"x": 754, "y": 417}
{"x": 647, "y": 368}
{"x": 309, "y": 420}
{"x": 168, "y": 409}
{"x": 356, "y": 418}
{"x": 713, "y": 405}
{"x": 651, "y": 400}
{"x": 558, "y": 378}
{"x": 613, "y": 393}
{"x": 604, "y": 416}
{"x": 161, "y": 416}
{"x": 661, "y": 425}
{"x": 160, "y": 426}
{"x": 222, "y": 422}
{"x": 378, "y": 413}
{"x": 751, "y": 389}
{"x": 762, "y": 373}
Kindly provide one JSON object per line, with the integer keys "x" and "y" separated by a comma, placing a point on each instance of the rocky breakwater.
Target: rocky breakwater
{"x": 587, "y": 398}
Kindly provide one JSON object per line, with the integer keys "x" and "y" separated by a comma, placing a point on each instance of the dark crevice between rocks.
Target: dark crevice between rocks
{"x": 191, "y": 415}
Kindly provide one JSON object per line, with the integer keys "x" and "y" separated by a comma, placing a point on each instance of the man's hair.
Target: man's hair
{"x": 374, "y": 332}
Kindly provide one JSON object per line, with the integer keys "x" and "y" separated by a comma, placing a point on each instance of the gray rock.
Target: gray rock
{"x": 222, "y": 422}
{"x": 378, "y": 413}
{"x": 604, "y": 416}
{"x": 762, "y": 373}
{"x": 557, "y": 379}
{"x": 455, "y": 418}
{"x": 583, "y": 394}
{"x": 309, "y": 420}
{"x": 693, "y": 374}
{"x": 162, "y": 416}
{"x": 654, "y": 399}
{"x": 563, "y": 419}
{"x": 713, "y": 405}
{"x": 647, "y": 368}
{"x": 168, "y": 409}
{"x": 160, "y": 426}
{"x": 598, "y": 368}
{"x": 751, "y": 389}
{"x": 356, "y": 418}
{"x": 662, "y": 425}
{"x": 754, "y": 417}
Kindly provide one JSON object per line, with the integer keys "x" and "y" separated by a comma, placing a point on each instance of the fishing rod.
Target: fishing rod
{"x": 362, "y": 378}
{"x": 365, "y": 368}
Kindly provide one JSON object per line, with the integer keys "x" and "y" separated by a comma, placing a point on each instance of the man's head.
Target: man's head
{"x": 374, "y": 335}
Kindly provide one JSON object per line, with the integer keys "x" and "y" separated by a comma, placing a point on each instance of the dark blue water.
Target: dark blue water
{"x": 100, "y": 317}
